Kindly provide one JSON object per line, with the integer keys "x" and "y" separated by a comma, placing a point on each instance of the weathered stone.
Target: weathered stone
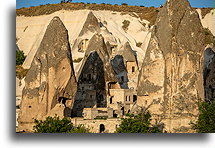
{"x": 120, "y": 71}
{"x": 91, "y": 24}
{"x": 209, "y": 74}
{"x": 50, "y": 84}
{"x": 97, "y": 44}
{"x": 172, "y": 71}
{"x": 94, "y": 75}
{"x": 127, "y": 53}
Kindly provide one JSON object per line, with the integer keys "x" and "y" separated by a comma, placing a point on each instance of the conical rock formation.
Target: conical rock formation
{"x": 50, "y": 82}
{"x": 91, "y": 24}
{"x": 97, "y": 44}
{"x": 171, "y": 79}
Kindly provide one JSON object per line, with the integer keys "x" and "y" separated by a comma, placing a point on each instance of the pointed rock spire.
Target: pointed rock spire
{"x": 171, "y": 74}
{"x": 127, "y": 53}
{"x": 97, "y": 44}
{"x": 91, "y": 24}
{"x": 50, "y": 82}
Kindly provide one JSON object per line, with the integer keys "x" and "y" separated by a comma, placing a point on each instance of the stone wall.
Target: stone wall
{"x": 94, "y": 125}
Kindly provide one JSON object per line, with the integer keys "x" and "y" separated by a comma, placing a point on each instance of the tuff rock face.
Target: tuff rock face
{"x": 97, "y": 44}
{"x": 91, "y": 24}
{"x": 171, "y": 78}
{"x": 95, "y": 72}
{"x": 120, "y": 70}
{"x": 50, "y": 84}
{"x": 209, "y": 74}
{"x": 127, "y": 53}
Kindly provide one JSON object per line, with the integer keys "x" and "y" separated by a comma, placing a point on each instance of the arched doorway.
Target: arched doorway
{"x": 101, "y": 128}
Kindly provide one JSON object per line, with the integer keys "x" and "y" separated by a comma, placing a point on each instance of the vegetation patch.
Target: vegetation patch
{"x": 140, "y": 123}
{"x": 147, "y": 13}
{"x": 205, "y": 11}
{"x": 125, "y": 25}
{"x": 77, "y": 60}
{"x": 209, "y": 38}
{"x": 206, "y": 119}
{"x": 139, "y": 44}
{"x": 57, "y": 125}
{"x": 21, "y": 72}
{"x": 20, "y": 57}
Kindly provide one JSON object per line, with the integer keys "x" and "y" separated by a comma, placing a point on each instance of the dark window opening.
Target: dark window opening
{"x": 123, "y": 111}
{"x": 122, "y": 78}
{"x": 29, "y": 106}
{"x": 114, "y": 114}
{"x": 89, "y": 77}
{"x": 111, "y": 99}
{"x": 134, "y": 98}
{"x": 62, "y": 100}
{"x": 101, "y": 98}
{"x": 133, "y": 69}
{"x": 101, "y": 128}
{"x": 146, "y": 102}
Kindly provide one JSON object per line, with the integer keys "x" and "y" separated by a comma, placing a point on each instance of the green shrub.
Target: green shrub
{"x": 20, "y": 57}
{"x": 57, "y": 125}
{"x": 138, "y": 124}
{"x": 206, "y": 119}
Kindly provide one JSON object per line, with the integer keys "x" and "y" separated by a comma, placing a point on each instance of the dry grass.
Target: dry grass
{"x": 77, "y": 60}
{"x": 148, "y": 13}
{"x": 139, "y": 44}
{"x": 209, "y": 38}
{"x": 205, "y": 11}
{"x": 21, "y": 72}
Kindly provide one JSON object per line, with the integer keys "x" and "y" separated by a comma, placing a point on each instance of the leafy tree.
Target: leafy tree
{"x": 57, "y": 125}
{"x": 206, "y": 120}
{"x": 138, "y": 124}
{"x": 20, "y": 57}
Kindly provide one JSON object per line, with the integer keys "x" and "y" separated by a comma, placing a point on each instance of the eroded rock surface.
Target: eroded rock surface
{"x": 50, "y": 84}
{"x": 209, "y": 74}
{"x": 94, "y": 75}
{"x": 171, "y": 79}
